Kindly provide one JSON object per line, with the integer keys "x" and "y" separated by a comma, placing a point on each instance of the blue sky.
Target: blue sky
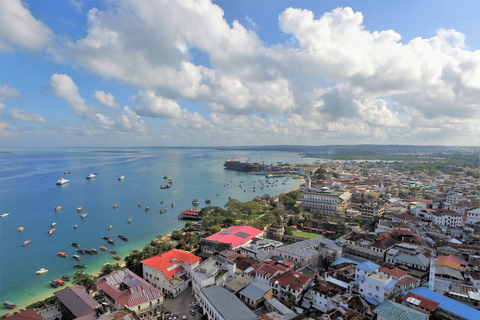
{"x": 139, "y": 73}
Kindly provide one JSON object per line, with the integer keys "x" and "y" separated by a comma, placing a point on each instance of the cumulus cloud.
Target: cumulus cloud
{"x": 337, "y": 81}
{"x": 20, "y": 29}
{"x": 106, "y": 99}
{"x": 78, "y": 5}
{"x": 23, "y": 115}
{"x": 63, "y": 87}
{"x": 150, "y": 105}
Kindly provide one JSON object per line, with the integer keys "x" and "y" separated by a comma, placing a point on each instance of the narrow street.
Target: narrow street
{"x": 180, "y": 305}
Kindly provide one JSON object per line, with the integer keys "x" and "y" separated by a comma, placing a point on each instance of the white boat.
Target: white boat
{"x": 170, "y": 180}
{"x": 62, "y": 181}
{"x": 91, "y": 176}
{"x": 122, "y": 177}
{"x": 43, "y": 270}
{"x": 3, "y": 215}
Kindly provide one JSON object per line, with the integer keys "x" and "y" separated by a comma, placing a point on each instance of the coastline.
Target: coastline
{"x": 39, "y": 296}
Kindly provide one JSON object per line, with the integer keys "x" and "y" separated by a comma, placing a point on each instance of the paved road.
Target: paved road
{"x": 180, "y": 305}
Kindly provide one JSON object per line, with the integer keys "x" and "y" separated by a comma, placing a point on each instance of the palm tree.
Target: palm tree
{"x": 109, "y": 268}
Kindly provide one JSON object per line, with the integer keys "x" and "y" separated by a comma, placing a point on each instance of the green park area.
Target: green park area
{"x": 303, "y": 234}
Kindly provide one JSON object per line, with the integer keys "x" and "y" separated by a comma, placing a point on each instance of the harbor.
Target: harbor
{"x": 198, "y": 174}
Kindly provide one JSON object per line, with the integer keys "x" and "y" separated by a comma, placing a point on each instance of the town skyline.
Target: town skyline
{"x": 229, "y": 73}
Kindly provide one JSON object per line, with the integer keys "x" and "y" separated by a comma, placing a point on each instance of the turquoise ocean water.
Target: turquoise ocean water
{"x": 28, "y": 191}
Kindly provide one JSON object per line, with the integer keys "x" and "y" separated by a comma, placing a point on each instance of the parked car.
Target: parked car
{"x": 192, "y": 312}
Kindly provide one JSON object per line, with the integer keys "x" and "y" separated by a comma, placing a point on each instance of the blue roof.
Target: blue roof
{"x": 372, "y": 301}
{"x": 367, "y": 266}
{"x": 447, "y": 303}
{"x": 341, "y": 260}
{"x": 390, "y": 284}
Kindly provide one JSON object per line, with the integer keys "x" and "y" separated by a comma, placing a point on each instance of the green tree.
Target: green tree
{"x": 294, "y": 194}
{"x": 288, "y": 231}
{"x": 83, "y": 279}
{"x": 109, "y": 268}
{"x": 318, "y": 214}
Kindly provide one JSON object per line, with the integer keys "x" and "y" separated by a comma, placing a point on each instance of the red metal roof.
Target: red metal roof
{"x": 292, "y": 279}
{"x": 137, "y": 290}
{"x": 235, "y": 235}
{"x": 191, "y": 211}
{"x": 396, "y": 272}
{"x": 167, "y": 259}
{"x": 424, "y": 302}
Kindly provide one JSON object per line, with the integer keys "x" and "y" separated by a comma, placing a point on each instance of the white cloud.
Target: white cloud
{"x": 338, "y": 81}
{"x": 150, "y": 105}
{"x": 63, "y": 87}
{"x": 7, "y": 93}
{"x": 78, "y": 5}
{"x": 106, "y": 99}
{"x": 23, "y": 115}
{"x": 18, "y": 28}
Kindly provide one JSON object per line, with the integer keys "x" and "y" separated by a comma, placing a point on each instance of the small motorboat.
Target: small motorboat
{"x": 53, "y": 224}
{"x": 139, "y": 205}
{"x": 77, "y": 257}
{"x": 161, "y": 201}
{"x": 208, "y": 201}
{"x": 67, "y": 172}
{"x": 165, "y": 177}
{"x": 195, "y": 202}
{"x": 65, "y": 277}
{"x": 122, "y": 177}
{"x": 62, "y": 254}
{"x": 60, "y": 282}
{"x": 123, "y": 237}
{"x": 51, "y": 231}
{"x": 3, "y": 215}
{"x": 75, "y": 244}
{"x": 103, "y": 248}
{"x": 147, "y": 208}
{"x": 84, "y": 215}
{"x": 20, "y": 229}
{"x": 54, "y": 284}
{"x": 79, "y": 209}
{"x": 62, "y": 181}
{"x": 75, "y": 227}
{"x": 82, "y": 251}
{"x": 116, "y": 257}
{"x": 9, "y": 305}
{"x": 129, "y": 220}
{"x": 91, "y": 176}
{"x": 135, "y": 250}
{"x": 173, "y": 205}
{"x": 42, "y": 271}
{"x": 113, "y": 251}
{"x": 57, "y": 208}
{"x": 80, "y": 265}
{"x": 106, "y": 238}
{"x": 115, "y": 206}
{"x": 111, "y": 241}
{"x": 26, "y": 242}
{"x": 109, "y": 227}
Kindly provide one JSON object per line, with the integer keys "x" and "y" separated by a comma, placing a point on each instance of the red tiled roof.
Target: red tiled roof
{"x": 406, "y": 217}
{"x": 396, "y": 272}
{"x": 404, "y": 232}
{"x": 235, "y": 235}
{"x": 137, "y": 290}
{"x": 28, "y": 314}
{"x": 454, "y": 259}
{"x": 167, "y": 259}
{"x": 424, "y": 302}
{"x": 446, "y": 212}
{"x": 292, "y": 279}
{"x": 406, "y": 281}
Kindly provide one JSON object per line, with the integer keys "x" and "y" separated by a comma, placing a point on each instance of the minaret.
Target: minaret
{"x": 309, "y": 183}
{"x": 431, "y": 276}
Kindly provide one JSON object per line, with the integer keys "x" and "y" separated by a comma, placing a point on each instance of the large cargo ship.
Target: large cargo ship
{"x": 240, "y": 166}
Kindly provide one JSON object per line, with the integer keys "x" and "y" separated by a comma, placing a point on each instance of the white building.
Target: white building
{"x": 170, "y": 271}
{"x": 216, "y": 270}
{"x": 473, "y": 216}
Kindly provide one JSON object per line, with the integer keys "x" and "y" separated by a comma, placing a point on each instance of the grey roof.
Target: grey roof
{"x": 76, "y": 300}
{"x": 442, "y": 270}
{"x": 302, "y": 248}
{"x": 238, "y": 284}
{"x": 227, "y": 304}
{"x": 255, "y": 290}
{"x": 418, "y": 259}
{"x": 280, "y": 307}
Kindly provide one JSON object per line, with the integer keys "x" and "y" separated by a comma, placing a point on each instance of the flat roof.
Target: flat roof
{"x": 227, "y": 304}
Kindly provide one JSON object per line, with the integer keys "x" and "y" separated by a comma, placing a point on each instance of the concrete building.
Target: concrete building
{"x": 331, "y": 202}
{"x": 255, "y": 294}
{"x": 170, "y": 271}
{"x": 220, "y": 304}
{"x": 127, "y": 290}
{"x": 473, "y": 216}
{"x": 216, "y": 270}
{"x": 230, "y": 239}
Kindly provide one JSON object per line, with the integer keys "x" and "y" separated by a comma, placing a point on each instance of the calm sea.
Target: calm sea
{"x": 28, "y": 191}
